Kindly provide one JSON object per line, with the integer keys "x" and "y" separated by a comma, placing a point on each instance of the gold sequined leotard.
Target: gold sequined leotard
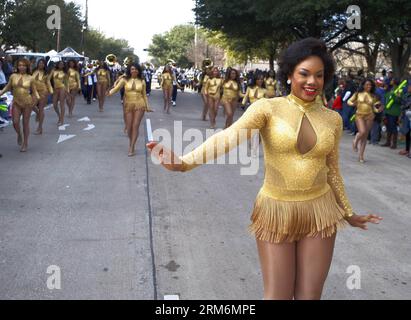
{"x": 74, "y": 79}
{"x": 213, "y": 88}
{"x": 254, "y": 94}
{"x": 42, "y": 83}
{"x": 365, "y": 104}
{"x": 135, "y": 97}
{"x": 303, "y": 193}
{"x": 166, "y": 81}
{"x": 271, "y": 86}
{"x": 103, "y": 77}
{"x": 205, "y": 80}
{"x": 20, "y": 86}
{"x": 231, "y": 91}
{"x": 60, "y": 80}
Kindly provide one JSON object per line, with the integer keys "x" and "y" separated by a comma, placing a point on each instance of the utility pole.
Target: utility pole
{"x": 83, "y": 31}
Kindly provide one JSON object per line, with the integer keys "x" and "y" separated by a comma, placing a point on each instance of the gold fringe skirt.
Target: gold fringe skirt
{"x": 288, "y": 221}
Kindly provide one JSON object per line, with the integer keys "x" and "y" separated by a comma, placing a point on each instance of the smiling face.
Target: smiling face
{"x": 22, "y": 67}
{"x": 134, "y": 72}
{"x": 216, "y": 73}
{"x": 367, "y": 86}
{"x": 307, "y": 80}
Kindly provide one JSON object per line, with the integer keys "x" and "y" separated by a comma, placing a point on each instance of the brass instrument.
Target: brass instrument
{"x": 207, "y": 64}
{"x": 128, "y": 61}
{"x": 111, "y": 60}
{"x": 171, "y": 62}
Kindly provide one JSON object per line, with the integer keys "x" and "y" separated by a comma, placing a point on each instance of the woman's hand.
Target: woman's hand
{"x": 167, "y": 158}
{"x": 358, "y": 221}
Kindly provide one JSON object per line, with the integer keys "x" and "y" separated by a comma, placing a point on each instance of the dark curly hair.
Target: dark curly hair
{"x": 258, "y": 75}
{"x": 138, "y": 67}
{"x": 301, "y": 50}
{"x": 363, "y": 85}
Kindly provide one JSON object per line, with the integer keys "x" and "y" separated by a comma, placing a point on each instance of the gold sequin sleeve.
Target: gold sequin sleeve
{"x": 254, "y": 118}
{"x": 247, "y": 94}
{"x": 334, "y": 176}
{"x": 120, "y": 84}
{"x": 33, "y": 87}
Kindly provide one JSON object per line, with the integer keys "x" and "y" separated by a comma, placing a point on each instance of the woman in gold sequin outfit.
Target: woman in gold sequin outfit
{"x": 271, "y": 85}
{"x": 302, "y": 203}
{"x": 103, "y": 84}
{"x": 25, "y": 95}
{"x": 231, "y": 94}
{"x": 60, "y": 80}
{"x": 74, "y": 85}
{"x": 256, "y": 90}
{"x": 213, "y": 93}
{"x": 166, "y": 83}
{"x": 135, "y": 102}
{"x": 367, "y": 103}
{"x": 43, "y": 86}
{"x": 205, "y": 77}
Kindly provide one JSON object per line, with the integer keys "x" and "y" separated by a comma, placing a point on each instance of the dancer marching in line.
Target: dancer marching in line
{"x": 103, "y": 84}
{"x": 271, "y": 85}
{"x": 166, "y": 84}
{"x": 59, "y": 77}
{"x": 25, "y": 96}
{"x": 303, "y": 202}
{"x": 44, "y": 89}
{"x": 205, "y": 78}
{"x": 366, "y": 102}
{"x": 213, "y": 93}
{"x": 231, "y": 94}
{"x": 74, "y": 85}
{"x": 135, "y": 102}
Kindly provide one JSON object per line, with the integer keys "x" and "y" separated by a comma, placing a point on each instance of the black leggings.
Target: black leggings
{"x": 408, "y": 141}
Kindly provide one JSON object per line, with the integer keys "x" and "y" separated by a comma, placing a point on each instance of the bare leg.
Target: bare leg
{"x": 17, "y": 111}
{"x": 137, "y": 117}
{"x": 26, "y": 127}
{"x": 205, "y": 108}
{"x": 41, "y": 106}
{"x": 125, "y": 120}
{"x": 229, "y": 114}
{"x": 72, "y": 104}
{"x": 56, "y": 103}
{"x": 368, "y": 126}
{"x": 359, "y": 138}
{"x": 101, "y": 91}
{"x": 278, "y": 265}
{"x": 314, "y": 256}
{"x": 168, "y": 95}
{"x": 212, "y": 111}
{"x": 62, "y": 99}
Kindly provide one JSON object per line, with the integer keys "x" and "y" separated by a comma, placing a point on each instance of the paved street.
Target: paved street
{"x": 121, "y": 229}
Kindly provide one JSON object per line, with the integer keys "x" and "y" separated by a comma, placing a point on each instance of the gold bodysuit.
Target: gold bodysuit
{"x": 42, "y": 83}
{"x": 135, "y": 97}
{"x": 20, "y": 86}
{"x": 271, "y": 86}
{"x": 254, "y": 94}
{"x": 205, "y": 80}
{"x": 213, "y": 88}
{"x": 60, "y": 80}
{"x": 74, "y": 80}
{"x": 231, "y": 92}
{"x": 303, "y": 192}
{"x": 103, "y": 77}
{"x": 166, "y": 81}
{"x": 365, "y": 104}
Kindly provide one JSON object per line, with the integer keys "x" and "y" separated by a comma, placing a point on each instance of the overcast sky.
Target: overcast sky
{"x": 137, "y": 21}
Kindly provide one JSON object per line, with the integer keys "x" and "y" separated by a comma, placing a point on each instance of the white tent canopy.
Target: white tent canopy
{"x": 70, "y": 53}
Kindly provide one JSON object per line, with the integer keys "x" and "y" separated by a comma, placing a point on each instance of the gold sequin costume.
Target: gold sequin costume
{"x": 42, "y": 83}
{"x": 103, "y": 77}
{"x": 135, "y": 97}
{"x": 271, "y": 86}
{"x": 254, "y": 94}
{"x": 205, "y": 80}
{"x": 365, "y": 104}
{"x": 303, "y": 194}
{"x": 22, "y": 87}
{"x": 73, "y": 79}
{"x": 213, "y": 88}
{"x": 60, "y": 80}
{"x": 166, "y": 81}
{"x": 231, "y": 92}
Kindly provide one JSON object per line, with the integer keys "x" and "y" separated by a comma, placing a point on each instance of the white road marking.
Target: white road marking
{"x": 149, "y": 131}
{"x": 63, "y": 127}
{"x": 90, "y": 127}
{"x": 172, "y": 297}
{"x": 65, "y": 137}
{"x": 85, "y": 119}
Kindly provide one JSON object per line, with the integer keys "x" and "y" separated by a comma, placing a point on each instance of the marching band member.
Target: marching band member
{"x": 25, "y": 95}
{"x": 43, "y": 86}
{"x": 103, "y": 84}
{"x": 60, "y": 88}
{"x": 213, "y": 93}
{"x": 135, "y": 102}
{"x": 166, "y": 83}
{"x": 74, "y": 85}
